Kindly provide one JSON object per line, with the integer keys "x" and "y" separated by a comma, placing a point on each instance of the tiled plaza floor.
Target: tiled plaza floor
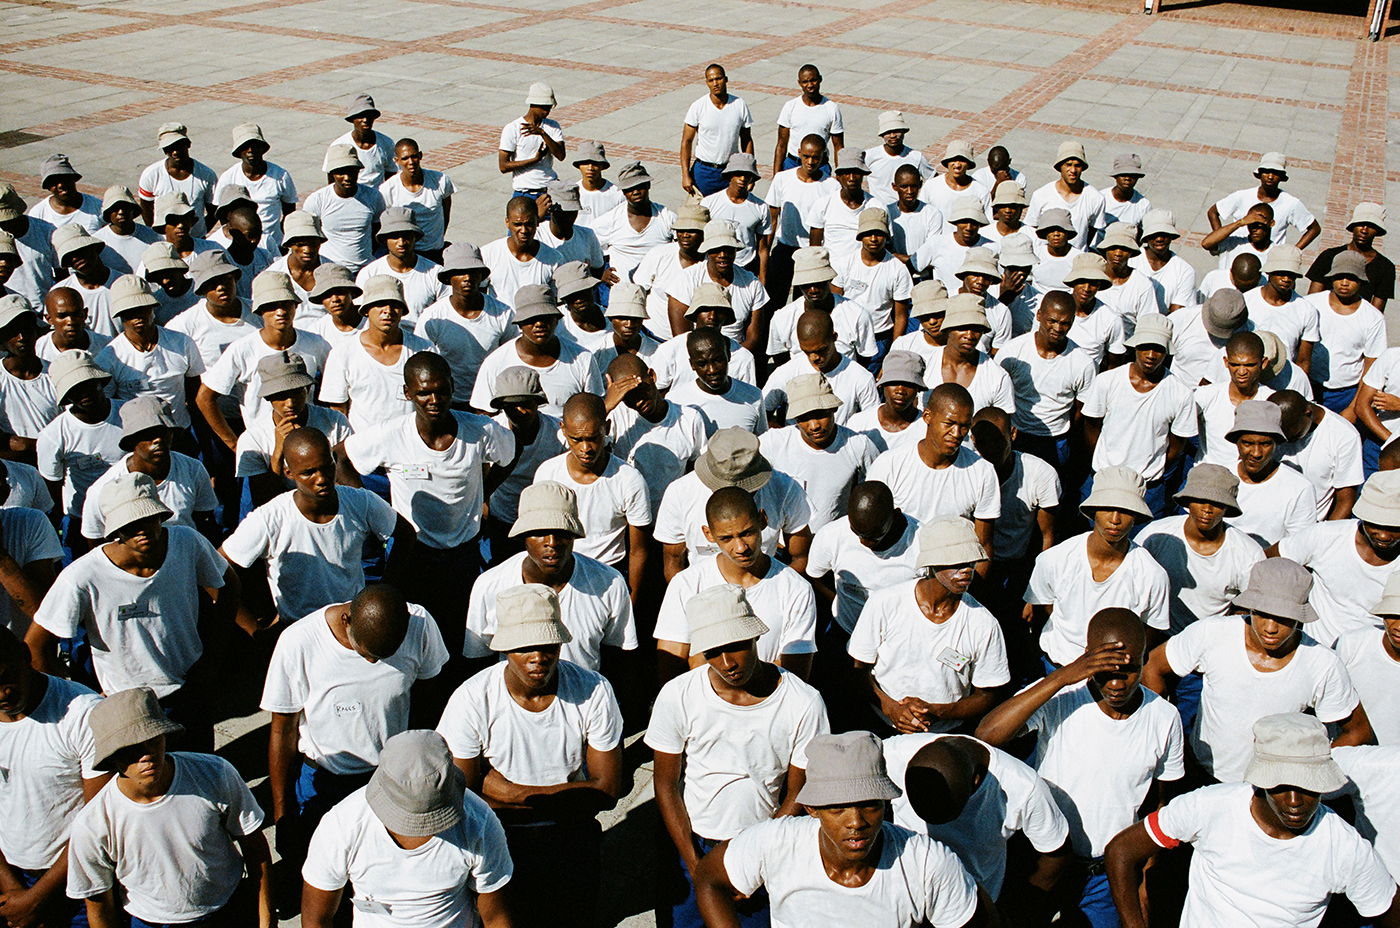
{"x": 1199, "y": 91}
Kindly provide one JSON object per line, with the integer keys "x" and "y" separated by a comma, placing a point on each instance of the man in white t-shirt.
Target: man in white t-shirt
{"x": 564, "y": 233}
{"x": 931, "y": 656}
{"x": 1069, "y": 192}
{"x": 442, "y": 465}
{"x": 972, "y": 798}
{"x": 467, "y": 323}
{"x": 1122, "y": 202}
{"x": 1265, "y": 852}
{"x": 340, "y": 684}
{"x": 1175, "y": 274}
{"x": 716, "y": 126}
{"x": 373, "y": 149}
{"x": 1275, "y": 305}
{"x": 1288, "y": 210}
{"x": 64, "y": 202}
{"x": 842, "y": 863}
{"x": 564, "y": 367}
{"x": 399, "y": 234}
{"x": 47, "y": 752}
{"x": 1217, "y": 402}
{"x": 753, "y": 223}
{"x": 661, "y": 439}
{"x": 939, "y": 475}
{"x": 312, "y": 536}
{"x": 1257, "y": 662}
{"x": 531, "y": 144}
{"x": 593, "y": 598}
{"x": 1104, "y": 745}
{"x": 811, "y": 113}
{"x": 414, "y": 845}
{"x": 835, "y": 218}
{"x": 194, "y": 807}
{"x": 427, "y": 193}
{"x": 83, "y": 441}
{"x": 1372, "y": 659}
{"x": 792, "y": 197}
{"x": 348, "y": 210}
{"x": 875, "y": 280}
{"x": 1099, "y": 569}
{"x": 1326, "y": 448}
{"x": 178, "y": 173}
{"x": 1276, "y": 501}
{"x": 723, "y": 401}
{"x": 885, "y": 160}
{"x": 817, "y": 354}
{"x": 730, "y": 738}
{"x": 269, "y": 186}
{"x": 541, "y": 740}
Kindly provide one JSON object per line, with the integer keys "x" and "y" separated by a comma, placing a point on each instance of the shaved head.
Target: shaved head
{"x": 998, "y": 157}
{"x": 939, "y": 781}
{"x": 870, "y": 507}
{"x": 379, "y": 619}
{"x": 305, "y": 440}
{"x": 815, "y": 327}
{"x": 63, "y": 298}
{"x": 728, "y": 503}
{"x": 1118, "y": 625}
{"x": 947, "y": 395}
{"x": 629, "y": 365}
{"x": 426, "y": 362}
{"x": 1246, "y": 345}
{"x": 585, "y": 408}
{"x": 1058, "y": 299}
{"x": 1390, "y": 457}
{"x": 1245, "y": 271}
{"x": 521, "y": 206}
{"x": 1294, "y": 407}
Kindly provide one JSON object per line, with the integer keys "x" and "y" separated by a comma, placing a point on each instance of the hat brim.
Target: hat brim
{"x": 845, "y": 792}
{"x": 518, "y": 399}
{"x": 1233, "y": 436}
{"x": 1267, "y": 603}
{"x": 1268, "y": 773}
{"x": 751, "y": 483}
{"x": 1380, "y": 230}
{"x": 634, "y": 182}
{"x": 416, "y": 824}
{"x": 531, "y": 635}
{"x": 1122, "y": 500}
{"x": 138, "y": 732}
{"x": 350, "y": 117}
{"x": 1185, "y": 496}
{"x": 446, "y": 274}
{"x": 1366, "y": 510}
{"x": 547, "y": 522}
{"x": 816, "y": 276}
{"x": 816, "y": 404}
{"x": 131, "y": 512}
{"x": 88, "y": 375}
{"x": 285, "y": 384}
{"x": 954, "y": 555}
{"x": 1123, "y": 243}
{"x": 385, "y": 233}
{"x": 743, "y": 628}
{"x": 1283, "y": 172}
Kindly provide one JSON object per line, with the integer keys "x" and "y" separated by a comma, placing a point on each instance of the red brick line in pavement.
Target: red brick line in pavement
{"x": 1359, "y": 170}
{"x": 1272, "y": 59}
{"x": 1234, "y": 15}
{"x": 1147, "y": 141}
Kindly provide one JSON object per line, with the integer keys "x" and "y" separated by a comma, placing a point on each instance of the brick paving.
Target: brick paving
{"x": 1199, "y": 90}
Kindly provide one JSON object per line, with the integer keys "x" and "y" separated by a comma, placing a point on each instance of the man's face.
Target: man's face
{"x": 179, "y": 152}
{"x": 1392, "y": 632}
{"x": 1009, "y": 213}
{"x": 722, "y": 260}
{"x": 1271, "y": 631}
{"x": 639, "y": 195}
{"x": 901, "y": 397}
{"x": 992, "y": 441}
{"x": 142, "y": 536}
{"x": 401, "y": 246}
{"x": 87, "y": 399}
{"x": 63, "y": 188}
{"x": 280, "y": 317}
{"x": 142, "y": 763}
{"x": 932, "y": 325}
{"x": 957, "y": 168}
{"x": 1294, "y": 806}
{"x": 123, "y": 217}
{"x": 741, "y": 185}
{"x": 955, "y": 579}
{"x": 303, "y": 249}
{"x": 1346, "y": 288}
{"x": 1204, "y": 515}
{"x": 810, "y": 80}
{"x": 430, "y": 392}
{"x": 1014, "y": 278}
{"x": 384, "y": 317}
{"x": 627, "y": 328}
{"x": 1363, "y": 235}
{"x": 966, "y": 231}
{"x": 870, "y": 534}
{"x": 409, "y": 159}
{"x": 19, "y": 337}
{"x": 1283, "y": 283}
{"x": 68, "y": 318}
{"x": 468, "y": 282}
{"x": 85, "y": 261}
{"x": 873, "y": 244}
{"x": 1270, "y": 178}
{"x": 818, "y": 428}
{"x": 345, "y": 182}
{"x": 1382, "y": 539}
{"x": 965, "y": 339}
{"x": 290, "y": 405}
{"x": 177, "y": 228}
{"x": 907, "y": 186}
{"x": 1119, "y": 687}
{"x": 8, "y": 265}
{"x": 312, "y": 469}
{"x": 586, "y": 438}
{"x": 734, "y": 663}
{"x": 739, "y": 538}
{"x": 1056, "y": 239}
{"x": 849, "y": 833}
{"x": 534, "y": 667}
{"x": 1117, "y": 256}
{"x": 153, "y": 446}
{"x": 139, "y": 324}
{"x": 1259, "y": 228}
{"x": 221, "y": 292}
{"x": 689, "y": 240}
{"x": 521, "y": 415}
{"x": 1070, "y": 171}
{"x": 894, "y": 138}
{"x": 1256, "y": 452}
{"x": 850, "y": 181}
{"x": 1245, "y": 370}
{"x": 363, "y": 122}
{"x": 1055, "y": 322}
{"x": 717, "y": 81}
{"x": 947, "y": 427}
{"x": 539, "y": 330}
{"x": 591, "y": 172}
{"x": 550, "y": 550}
{"x": 580, "y": 303}
{"x": 710, "y": 362}
{"x": 16, "y": 686}
{"x": 811, "y": 156}
{"x": 1084, "y": 292}
{"x": 339, "y": 302}
{"x": 644, "y": 398}
{"x": 1125, "y": 182}
{"x": 522, "y": 224}
{"x": 1160, "y": 245}
{"x": 821, "y": 353}
{"x": 1112, "y": 525}
{"x": 251, "y": 154}
{"x": 813, "y": 294}
{"x": 1150, "y": 358}
{"x": 977, "y": 284}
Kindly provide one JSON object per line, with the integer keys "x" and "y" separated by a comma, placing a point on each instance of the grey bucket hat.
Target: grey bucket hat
{"x": 732, "y": 459}
{"x": 527, "y": 616}
{"x": 518, "y": 386}
{"x": 124, "y": 720}
{"x": 1211, "y": 483}
{"x": 547, "y": 506}
{"x": 330, "y": 277}
{"x": 416, "y": 790}
{"x": 1279, "y": 587}
{"x": 128, "y": 498}
{"x": 845, "y": 770}
{"x": 459, "y": 258}
{"x": 282, "y": 372}
{"x": 1257, "y": 417}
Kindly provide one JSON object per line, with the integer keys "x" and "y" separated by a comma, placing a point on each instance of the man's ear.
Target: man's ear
{"x": 762, "y": 521}
{"x": 708, "y": 537}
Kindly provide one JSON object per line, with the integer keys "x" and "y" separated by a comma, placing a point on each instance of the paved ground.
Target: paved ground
{"x": 1200, "y": 91}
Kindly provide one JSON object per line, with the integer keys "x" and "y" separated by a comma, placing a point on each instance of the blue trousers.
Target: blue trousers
{"x": 1097, "y": 902}
{"x": 753, "y": 912}
{"x": 883, "y": 341}
{"x": 60, "y": 908}
{"x": 709, "y": 178}
{"x": 1188, "y": 700}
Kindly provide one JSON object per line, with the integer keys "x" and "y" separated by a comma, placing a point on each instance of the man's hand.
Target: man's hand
{"x": 618, "y": 389}
{"x": 20, "y": 909}
{"x": 687, "y": 184}
{"x": 1106, "y": 658}
{"x": 1385, "y": 402}
{"x": 611, "y": 276}
{"x": 911, "y": 715}
{"x": 543, "y": 203}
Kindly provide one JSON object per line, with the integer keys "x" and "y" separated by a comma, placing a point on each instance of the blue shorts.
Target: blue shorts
{"x": 1337, "y": 399}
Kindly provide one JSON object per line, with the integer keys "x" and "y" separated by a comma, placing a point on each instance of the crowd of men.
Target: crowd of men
{"x": 965, "y": 559}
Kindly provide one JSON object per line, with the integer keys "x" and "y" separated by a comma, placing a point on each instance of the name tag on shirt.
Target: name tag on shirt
{"x": 954, "y": 659}
{"x": 349, "y": 708}
{"x": 370, "y": 906}
{"x": 854, "y": 287}
{"x": 131, "y": 611}
{"x": 416, "y": 471}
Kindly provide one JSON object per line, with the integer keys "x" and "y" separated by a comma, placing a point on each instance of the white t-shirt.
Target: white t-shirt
{"x": 625, "y": 245}
{"x": 376, "y": 162}
{"x": 347, "y": 223}
{"x": 1011, "y": 798}
{"x": 917, "y": 880}
{"x": 29, "y": 538}
{"x": 123, "y": 252}
{"x": 347, "y": 706}
{"x": 1202, "y": 585}
{"x": 884, "y": 166}
{"x": 236, "y": 370}
{"x": 736, "y": 757}
{"x": 1099, "y": 768}
{"x": 655, "y": 273}
{"x": 607, "y": 507}
{"x": 938, "y": 662}
{"x": 1131, "y": 212}
{"x": 373, "y": 390}
{"x": 942, "y": 197}
{"x": 1046, "y": 388}
{"x": 1234, "y": 695}
{"x": 1284, "y": 504}
{"x": 176, "y": 858}
{"x": 1100, "y": 333}
{"x": 1049, "y": 272}
{"x": 681, "y": 515}
{"x": 1177, "y": 278}
{"x": 1086, "y": 212}
{"x": 1329, "y": 456}
{"x": 198, "y": 189}
{"x": 581, "y": 245}
{"x": 1372, "y": 772}
{"x": 26, "y": 406}
{"x": 671, "y": 363}
{"x": 1215, "y": 418}
{"x": 660, "y": 451}
{"x": 1196, "y": 354}
{"x": 210, "y": 335}
{"x": 1288, "y": 211}
{"x": 440, "y": 493}
{"x": 259, "y": 439}
{"x": 595, "y": 606}
{"x": 796, "y": 201}
{"x": 1344, "y": 586}
{"x": 1346, "y": 341}
{"x": 968, "y": 487}
{"x": 509, "y": 273}
{"x": 1138, "y": 296}
{"x": 523, "y": 147}
{"x": 143, "y": 630}
{"x": 433, "y": 886}
{"x": 421, "y": 287}
{"x": 1136, "y": 427}
{"x": 45, "y": 757}
{"x": 855, "y": 328}
{"x": 310, "y": 564}
{"x": 27, "y": 488}
{"x": 991, "y": 384}
{"x": 868, "y": 422}
{"x": 717, "y": 129}
{"x": 751, "y": 218}
{"x": 746, "y": 294}
{"x": 1294, "y": 322}
{"x": 1031, "y": 486}
{"x": 802, "y": 119}
{"x": 574, "y": 372}
{"x": 426, "y": 204}
{"x": 160, "y": 372}
{"x": 1376, "y": 676}
{"x": 595, "y": 203}
{"x": 269, "y": 192}
{"x": 826, "y": 475}
{"x": 1384, "y": 376}
{"x": 909, "y": 231}
{"x": 741, "y": 405}
{"x": 839, "y": 222}
{"x": 1063, "y": 578}
{"x": 186, "y": 490}
{"x": 88, "y": 215}
{"x": 463, "y": 342}
{"x": 857, "y": 570}
{"x": 783, "y": 600}
{"x": 875, "y": 287}
{"x": 542, "y": 748}
{"x": 853, "y": 386}
{"x": 505, "y": 502}
{"x": 1242, "y": 876}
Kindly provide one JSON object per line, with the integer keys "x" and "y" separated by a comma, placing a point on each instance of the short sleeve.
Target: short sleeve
{"x": 989, "y": 499}
{"x": 1041, "y": 820}
{"x": 244, "y": 817}
{"x": 335, "y": 384}
{"x": 210, "y": 565}
{"x": 251, "y": 539}
{"x": 864, "y": 643}
{"x": 193, "y": 358}
{"x": 603, "y": 721}
{"x": 1334, "y": 697}
{"x": 952, "y": 899}
{"x": 821, "y": 557}
{"x": 1096, "y": 400}
{"x": 91, "y": 870}
{"x": 251, "y": 462}
{"x": 1375, "y": 333}
{"x": 204, "y": 498}
{"x": 365, "y": 450}
{"x": 1040, "y": 591}
{"x": 1184, "y": 423}
{"x": 459, "y": 723}
{"x": 666, "y": 730}
{"x": 432, "y": 653}
{"x": 327, "y": 866}
{"x": 494, "y": 868}
{"x": 903, "y": 288}
{"x": 800, "y": 627}
{"x": 1172, "y": 764}
{"x": 47, "y": 449}
{"x": 990, "y": 669}
{"x": 1181, "y": 821}
{"x": 498, "y": 444}
{"x": 621, "y": 631}
{"x": 379, "y": 516}
{"x": 670, "y": 619}
{"x": 838, "y": 127}
{"x": 286, "y": 688}
{"x": 1367, "y": 884}
{"x": 223, "y": 376}
{"x": 1186, "y": 649}
{"x": 637, "y": 504}
{"x": 745, "y": 856}
{"x": 692, "y": 115}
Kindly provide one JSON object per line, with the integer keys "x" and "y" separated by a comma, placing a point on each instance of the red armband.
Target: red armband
{"x": 1155, "y": 832}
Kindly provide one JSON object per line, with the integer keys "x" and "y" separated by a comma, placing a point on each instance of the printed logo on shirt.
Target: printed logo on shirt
{"x": 129, "y": 611}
